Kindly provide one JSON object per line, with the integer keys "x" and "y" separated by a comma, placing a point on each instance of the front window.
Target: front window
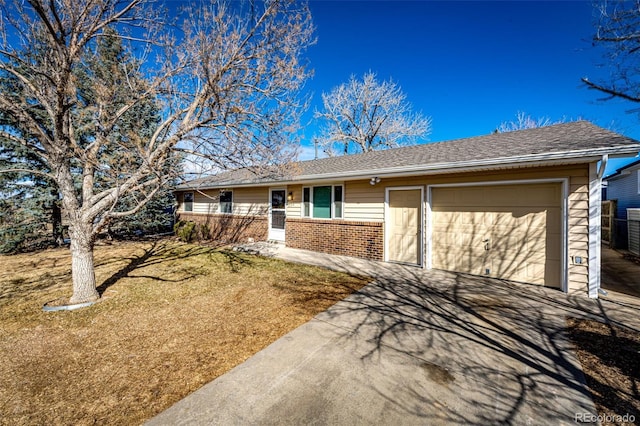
{"x": 306, "y": 201}
{"x": 187, "y": 202}
{"x": 323, "y": 202}
{"x": 226, "y": 201}
{"x": 337, "y": 201}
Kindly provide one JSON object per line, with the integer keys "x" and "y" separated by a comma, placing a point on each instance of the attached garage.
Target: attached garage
{"x": 507, "y": 231}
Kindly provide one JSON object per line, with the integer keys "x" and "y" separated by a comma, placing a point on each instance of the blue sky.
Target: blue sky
{"x": 468, "y": 65}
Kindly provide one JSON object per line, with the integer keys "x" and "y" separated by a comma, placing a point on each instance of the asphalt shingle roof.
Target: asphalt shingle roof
{"x": 498, "y": 147}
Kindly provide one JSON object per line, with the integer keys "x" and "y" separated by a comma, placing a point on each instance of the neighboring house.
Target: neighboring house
{"x": 513, "y": 206}
{"x": 624, "y": 187}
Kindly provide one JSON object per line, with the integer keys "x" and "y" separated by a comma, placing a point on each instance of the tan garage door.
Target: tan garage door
{"x": 511, "y": 232}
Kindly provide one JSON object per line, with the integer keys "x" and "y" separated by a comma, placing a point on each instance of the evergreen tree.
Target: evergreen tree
{"x": 30, "y": 213}
{"x": 105, "y": 83}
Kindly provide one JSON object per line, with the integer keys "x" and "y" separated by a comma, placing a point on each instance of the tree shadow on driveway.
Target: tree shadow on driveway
{"x": 465, "y": 349}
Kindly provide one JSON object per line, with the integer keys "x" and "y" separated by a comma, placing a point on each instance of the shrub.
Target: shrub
{"x": 185, "y": 230}
{"x": 204, "y": 231}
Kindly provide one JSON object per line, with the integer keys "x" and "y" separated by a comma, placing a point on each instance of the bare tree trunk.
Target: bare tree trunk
{"x": 82, "y": 272}
{"x": 56, "y": 219}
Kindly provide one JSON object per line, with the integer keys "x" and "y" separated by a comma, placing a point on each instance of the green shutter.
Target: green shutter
{"x": 322, "y": 202}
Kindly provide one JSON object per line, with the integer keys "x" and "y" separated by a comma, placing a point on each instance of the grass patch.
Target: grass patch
{"x": 173, "y": 317}
{"x": 610, "y": 358}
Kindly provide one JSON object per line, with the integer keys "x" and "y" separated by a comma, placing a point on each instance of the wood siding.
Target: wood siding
{"x": 246, "y": 201}
{"x": 363, "y": 202}
{"x": 294, "y": 206}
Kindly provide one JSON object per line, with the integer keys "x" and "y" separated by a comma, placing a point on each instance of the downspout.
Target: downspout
{"x": 603, "y": 165}
{"x": 595, "y": 236}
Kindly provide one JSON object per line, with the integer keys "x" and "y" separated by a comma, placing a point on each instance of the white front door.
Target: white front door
{"x": 277, "y": 213}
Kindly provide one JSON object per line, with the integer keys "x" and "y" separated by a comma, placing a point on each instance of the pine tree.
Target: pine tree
{"x": 30, "y": 212}
{"x": 105, "y": 84}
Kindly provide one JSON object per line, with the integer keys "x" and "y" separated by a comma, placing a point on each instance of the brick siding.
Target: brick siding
{"x": 348, "y": 238}
{"x": 230, "y": 228}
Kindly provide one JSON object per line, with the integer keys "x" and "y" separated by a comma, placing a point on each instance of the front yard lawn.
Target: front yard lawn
{"x": 173, "y": 317}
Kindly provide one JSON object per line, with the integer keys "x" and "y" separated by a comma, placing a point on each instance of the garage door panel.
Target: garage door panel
{"x": 447, "y": 218}
{"x": 536, "y": 246}
{"x": 522, "y": 222}
{"x": 518, "y": 252}
{"x": 448, "y": 197}
{"x": 533, "y": 271}
{"x": 553, "y": 251}
{"x": 509, "y": 241}
{"x": 539, "y": 220}
{"x": 443, "y": 256}
{"x": 508, "y": 220}
{"x": 554, "y": 220}
{"x": 446, "y": 239}
{"x": 472, "y": 198}
{"x": 474, "y": 218}
{"x": 473, "y": 264}
{"x": 541, "y": 196}
{"x": 552, "y": 271}
{"x": 471, "y": 239}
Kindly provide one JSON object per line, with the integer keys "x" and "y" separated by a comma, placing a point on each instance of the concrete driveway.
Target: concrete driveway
{"x": 414, "y": 347}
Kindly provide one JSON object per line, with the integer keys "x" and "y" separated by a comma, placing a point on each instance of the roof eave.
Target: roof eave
{"x": 532, "y": 160}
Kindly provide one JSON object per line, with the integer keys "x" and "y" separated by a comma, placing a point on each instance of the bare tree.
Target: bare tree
{"x": 618, "y": 30}
{"x": 365, "y": 115}
{"x": 225, "y": 79}
{"x": 525, "y": 121}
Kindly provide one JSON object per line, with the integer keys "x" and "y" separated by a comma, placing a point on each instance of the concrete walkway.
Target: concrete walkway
{"x": 620, "y": 274}
{"x": 414, "y": 347}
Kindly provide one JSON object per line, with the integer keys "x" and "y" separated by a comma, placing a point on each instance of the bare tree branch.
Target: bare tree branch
{"x": 525, "y": 121}
{"x": 611, "y": 91}
{"x": 364, "y": 115}
{"x": 617, "y": 30}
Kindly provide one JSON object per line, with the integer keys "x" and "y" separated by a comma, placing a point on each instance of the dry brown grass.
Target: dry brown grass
{"x": 172, "y": 318}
